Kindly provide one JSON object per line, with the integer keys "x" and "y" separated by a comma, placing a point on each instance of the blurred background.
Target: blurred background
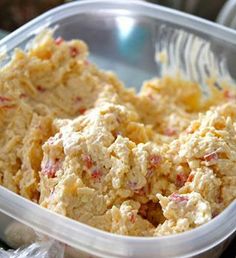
{"x": 15, "y": 13}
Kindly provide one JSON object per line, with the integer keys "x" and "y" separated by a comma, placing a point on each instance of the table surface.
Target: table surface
{"x": 230, "y": 252}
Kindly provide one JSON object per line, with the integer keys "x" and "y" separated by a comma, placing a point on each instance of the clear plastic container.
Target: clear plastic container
{"x": 123, "y": 37}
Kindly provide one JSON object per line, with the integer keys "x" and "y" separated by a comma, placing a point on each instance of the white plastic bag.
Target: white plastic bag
{"x": 42, "y": 249}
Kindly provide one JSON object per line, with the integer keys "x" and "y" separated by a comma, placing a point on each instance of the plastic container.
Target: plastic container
{"x": 123, "y": 37}
{"x": 227, "y": 15}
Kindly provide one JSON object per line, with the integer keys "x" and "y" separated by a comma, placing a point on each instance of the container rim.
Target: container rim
{"x": 132, "y": 6}
{"x": 17, "y": 207}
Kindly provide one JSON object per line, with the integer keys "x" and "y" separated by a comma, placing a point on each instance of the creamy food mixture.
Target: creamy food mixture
{"x": 76, "y": 141}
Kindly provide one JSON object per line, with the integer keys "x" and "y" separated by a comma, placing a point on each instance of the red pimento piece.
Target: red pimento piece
{"x": 86, "y": 62}
{"x": 82, "y": 111}
{"x": 132, "y": 217}
{"x": 170, "y": 132}
{"x": 51, "y": 167}
{"x": 180, "y": 179}
{"x": 74, "y": 51}
{"x": 96, "y": 174}
{"x": 4, "y": 99}
{"x": 88, "y": 161}
{"x": 190, "y": 178}
{"x": 229, "y": 95}
{"x": 211, "y": 157}
{"x": 5, "y": 102}
{"x": 154, "y": 161}
{"x": 143, "y": 210}
{"x": 40, "y": 88}
{"x": 78, "y": 99}
{"x": 178, "y": 198}
{"x": 23, "y": 95}
{"x": 59, "y": 40}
